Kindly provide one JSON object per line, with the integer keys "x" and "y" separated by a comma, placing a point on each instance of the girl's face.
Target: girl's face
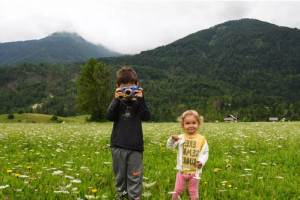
{"x": 190, "y": 124}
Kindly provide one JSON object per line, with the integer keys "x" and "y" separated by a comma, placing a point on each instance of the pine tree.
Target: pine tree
{"x": 94, "y": 90}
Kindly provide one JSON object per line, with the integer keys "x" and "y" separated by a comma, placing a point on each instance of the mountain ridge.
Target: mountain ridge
{"x": 57, "y": 48}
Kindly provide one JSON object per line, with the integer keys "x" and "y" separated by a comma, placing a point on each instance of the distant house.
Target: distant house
{"x": 273, "y": 119}
{"x": 230, "y": 118}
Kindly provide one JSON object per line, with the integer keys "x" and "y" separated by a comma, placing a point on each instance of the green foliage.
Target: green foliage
{"x": 10, "y": 116}
{"x": 94, "y": 90}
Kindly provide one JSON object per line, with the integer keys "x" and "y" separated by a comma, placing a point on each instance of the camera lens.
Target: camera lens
{"x": 128, "y": 92}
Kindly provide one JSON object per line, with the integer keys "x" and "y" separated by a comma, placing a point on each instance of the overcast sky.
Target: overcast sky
{"x": 133, "y": 26}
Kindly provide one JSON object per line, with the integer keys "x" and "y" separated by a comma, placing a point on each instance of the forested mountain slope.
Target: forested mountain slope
{"x": 246, "y": 67}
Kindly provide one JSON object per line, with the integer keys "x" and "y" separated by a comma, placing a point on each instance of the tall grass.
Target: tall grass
{"x": 69, "y": 161}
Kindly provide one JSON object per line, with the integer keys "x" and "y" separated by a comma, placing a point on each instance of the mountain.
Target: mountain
{"x": 246, "y": 67}
{"x": 229, "y": 68}
{"x": 57, "y": 48}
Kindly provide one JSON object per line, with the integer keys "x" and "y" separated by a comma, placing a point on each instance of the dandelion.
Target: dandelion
{"x": 15, "y": 162}
{"x": 37, "y": 153}
{"x": 235, "y": 188}
{"x": 223, "y": 184}
{"x": 230, "y": 186}
{"x": 205, "y": 183}
{"x": 17, "y": 175}
{"x": 51, "y": 163}
{"x": 9, "y": 171}
{"x": 228, "y": 165}
{"x": 94, "y": 191}
{"x": 29, "y": 168}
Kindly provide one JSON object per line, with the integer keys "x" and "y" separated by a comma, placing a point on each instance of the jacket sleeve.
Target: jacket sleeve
{"x": 203, "y": 155}
{"x": 171, "y": 144}
{"x": 112, "y": 113}
{"x": 145, "y": 113}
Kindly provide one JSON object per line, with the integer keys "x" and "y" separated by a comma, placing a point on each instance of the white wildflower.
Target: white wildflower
{"x": 279, "y": 177}
{"x": 264, "y": 163}
{"x": 4, "y": 186}
{"x": 23, "y": 176}
{"x": 146, "y": 194}
{"x": 147, "y": 185}
{"x": 91, "y": 197}
{"x": 57, "y": 172}
{"x": 69, "y": 177}
{"x": 63, "y": 191}
{"x": 76, "y": 181}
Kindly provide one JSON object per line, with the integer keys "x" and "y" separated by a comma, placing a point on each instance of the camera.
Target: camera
{"x": 129, "y": 91}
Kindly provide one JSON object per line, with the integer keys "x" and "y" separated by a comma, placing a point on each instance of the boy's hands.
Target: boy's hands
{"x": 139, "y": 93}
{"x": 198, "y": 164}
{"x": 175, "y": 137}
{"x": 118, "y": 93}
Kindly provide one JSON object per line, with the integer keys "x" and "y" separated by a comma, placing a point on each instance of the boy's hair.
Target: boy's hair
{"x": 190, "y": 112}
{"x": 126, "y": 75}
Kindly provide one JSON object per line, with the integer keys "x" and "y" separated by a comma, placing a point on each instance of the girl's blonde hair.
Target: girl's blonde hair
{"x": 190, "y": 112}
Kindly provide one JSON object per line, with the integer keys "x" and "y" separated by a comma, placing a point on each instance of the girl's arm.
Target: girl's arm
{"x": 171, "y": 141}
{"x": 204, "y": 153}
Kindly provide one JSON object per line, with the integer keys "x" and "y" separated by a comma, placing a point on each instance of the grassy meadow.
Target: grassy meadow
{"x": 73, "y": 161}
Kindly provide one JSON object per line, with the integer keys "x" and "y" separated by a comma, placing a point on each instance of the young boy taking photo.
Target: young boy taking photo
{"x": 127, "y": 110}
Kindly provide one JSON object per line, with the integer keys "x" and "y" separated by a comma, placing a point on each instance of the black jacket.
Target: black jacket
{"x": 127, "y": 117}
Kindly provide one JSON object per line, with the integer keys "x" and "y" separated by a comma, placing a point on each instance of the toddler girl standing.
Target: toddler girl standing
{"x": 192, "y": 154}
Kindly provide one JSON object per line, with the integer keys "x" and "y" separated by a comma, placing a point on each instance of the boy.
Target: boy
{"x": 127, "y": 146}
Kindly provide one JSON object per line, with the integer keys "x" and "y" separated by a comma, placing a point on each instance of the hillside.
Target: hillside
{"x": 247, "y": 68}
{"x": 58, "y": 48}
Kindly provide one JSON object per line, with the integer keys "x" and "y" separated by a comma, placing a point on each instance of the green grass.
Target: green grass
{"x": 255, "y": 161}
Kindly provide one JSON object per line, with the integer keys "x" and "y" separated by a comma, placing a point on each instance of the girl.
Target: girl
{"x": 192, "y": 154}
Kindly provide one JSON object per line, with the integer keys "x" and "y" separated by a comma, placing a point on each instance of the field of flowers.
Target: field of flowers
{"x": 73, "y": 161}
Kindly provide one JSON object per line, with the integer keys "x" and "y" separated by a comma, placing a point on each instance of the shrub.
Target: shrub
{"x": 10, "y": 116}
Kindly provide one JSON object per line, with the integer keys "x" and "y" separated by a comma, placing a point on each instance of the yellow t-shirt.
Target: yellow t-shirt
{"x": 191, "y": 149}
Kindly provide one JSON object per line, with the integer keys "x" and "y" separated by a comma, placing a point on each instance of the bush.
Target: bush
{"x": 10, "y": 116}
{"x": 54, "y": 118}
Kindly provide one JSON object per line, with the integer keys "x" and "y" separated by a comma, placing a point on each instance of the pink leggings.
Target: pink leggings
{"x": 181, "y": 180}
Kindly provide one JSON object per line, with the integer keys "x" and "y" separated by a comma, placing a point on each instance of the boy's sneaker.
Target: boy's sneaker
{"x": 123, "y": 196}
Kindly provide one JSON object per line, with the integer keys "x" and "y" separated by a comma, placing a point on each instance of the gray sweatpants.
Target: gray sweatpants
{"x": 128, "y": 171}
